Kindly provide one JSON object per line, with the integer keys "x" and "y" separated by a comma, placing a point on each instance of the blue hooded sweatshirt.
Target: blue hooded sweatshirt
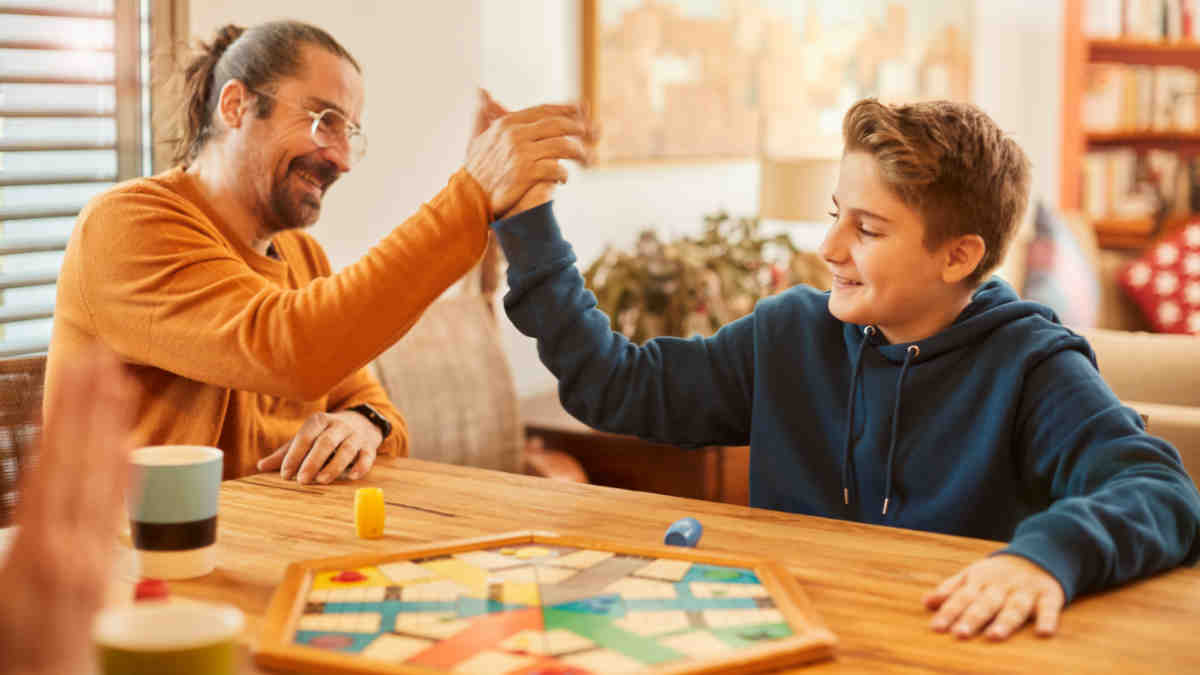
{"x": 997, "y": 427}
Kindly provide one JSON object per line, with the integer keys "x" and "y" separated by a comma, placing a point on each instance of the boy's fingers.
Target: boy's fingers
{"x": 1048, "y": 609}
{"x": 937, "y": 596}
{"x": 981, "y": 611}
{"x": 1014, "y": 615}
{"x": 953, "y": 607}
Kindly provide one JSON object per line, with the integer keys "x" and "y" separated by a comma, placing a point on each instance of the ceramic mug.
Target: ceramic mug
{"x": 173, "y": 510}
{"x": 180, "y": 638}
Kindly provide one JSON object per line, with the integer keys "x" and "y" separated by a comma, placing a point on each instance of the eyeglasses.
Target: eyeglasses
{"x": 330, "y": 127}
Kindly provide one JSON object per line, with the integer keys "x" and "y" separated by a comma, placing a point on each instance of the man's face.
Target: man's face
{"x": 285, "y": 169}
{"x": 882, "y": 272}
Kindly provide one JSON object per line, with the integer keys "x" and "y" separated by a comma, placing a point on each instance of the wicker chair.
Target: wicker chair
{"x": 452, "y": 381}
{"x": 21, "y": 382}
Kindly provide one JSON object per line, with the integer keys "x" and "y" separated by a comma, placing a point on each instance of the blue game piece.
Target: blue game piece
{"x": 684, "y": 532}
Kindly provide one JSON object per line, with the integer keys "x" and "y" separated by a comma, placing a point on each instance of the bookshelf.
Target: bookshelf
{"x": 1080, "y": 52}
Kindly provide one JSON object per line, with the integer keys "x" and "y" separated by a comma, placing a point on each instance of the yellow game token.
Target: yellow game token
{"x": 368, "y": 512}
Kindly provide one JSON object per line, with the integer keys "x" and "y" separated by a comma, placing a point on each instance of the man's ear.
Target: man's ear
{"x": 233, "y": 103}
{"x": 962, "y": 257}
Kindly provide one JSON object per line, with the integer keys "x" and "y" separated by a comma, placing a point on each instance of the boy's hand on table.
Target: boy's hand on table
{"x": 326, "y": 445}
{"x": 1000, "y": 594}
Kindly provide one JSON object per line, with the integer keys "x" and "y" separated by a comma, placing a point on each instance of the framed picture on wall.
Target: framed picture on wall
{"x": 703, "y": 80}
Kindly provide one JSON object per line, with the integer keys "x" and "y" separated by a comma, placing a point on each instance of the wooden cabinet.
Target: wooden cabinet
{"x": 715, "y": 473}
{"x": 1080, "y": 52}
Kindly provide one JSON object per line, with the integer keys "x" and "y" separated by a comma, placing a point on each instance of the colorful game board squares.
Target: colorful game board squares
{"x": 434, "y": 630}
{"x": 530, "y": 574}
{"x": 488, "y": 560}
{"x": 664, "y": 568}
{"x": 364, "y": 576}
{"x": 553, "y": 642}
{"x": 395, "y": 648}
{"x": 436, "y": 591}
{"x": 632, "y": 588}
{"x": 404, "y": 571}
{"x": 492, "y": 662}
{"x": 604, "y": 661}
{"x": 356, "y": 594}
{"x": 653, "y": 622}
{"x": 723, "y": 618}
{"x": 697, "y": 644}
{"x": 532, "y": 552}
{"x": 706, "y": 589}
{"x": 461, "y": 572}
{"x": 342, "y": 622}
{"x": 582, "y": 559}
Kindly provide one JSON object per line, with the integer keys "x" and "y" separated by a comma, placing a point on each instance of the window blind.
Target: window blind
{"x": 73, "y": 121}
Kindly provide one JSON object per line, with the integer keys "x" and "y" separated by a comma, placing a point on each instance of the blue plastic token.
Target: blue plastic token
{"x": 684, "y": 532}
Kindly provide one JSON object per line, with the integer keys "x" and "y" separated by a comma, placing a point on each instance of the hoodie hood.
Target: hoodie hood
{"x": 993, "y": 306}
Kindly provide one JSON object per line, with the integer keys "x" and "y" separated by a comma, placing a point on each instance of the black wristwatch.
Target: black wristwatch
{"x": 373, "y": 416}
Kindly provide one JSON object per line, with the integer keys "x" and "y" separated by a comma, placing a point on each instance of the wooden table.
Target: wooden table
{"x": 717, "y": 473}
{"x": 866, "y": 581}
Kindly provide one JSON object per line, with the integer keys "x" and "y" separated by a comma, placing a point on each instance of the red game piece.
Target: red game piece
{"x": 150, "y": 589}
{"x": 349, "y": 576}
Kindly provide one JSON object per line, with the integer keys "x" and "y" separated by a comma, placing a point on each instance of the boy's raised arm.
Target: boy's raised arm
{"x": 685, "y": 392}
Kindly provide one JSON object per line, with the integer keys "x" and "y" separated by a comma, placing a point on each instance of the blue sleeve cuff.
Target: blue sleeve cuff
{"x": 1055, "y": 549}
{"x": 532, "y": 238}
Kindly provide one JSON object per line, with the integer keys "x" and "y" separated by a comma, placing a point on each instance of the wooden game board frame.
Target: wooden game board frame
{"x": 812, "y": 640}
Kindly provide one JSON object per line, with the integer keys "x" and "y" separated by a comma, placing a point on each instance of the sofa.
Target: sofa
{"x": 1158, "y": 375}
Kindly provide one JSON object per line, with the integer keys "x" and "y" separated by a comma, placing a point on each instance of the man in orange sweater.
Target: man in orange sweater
{"x": 233, "y": 326}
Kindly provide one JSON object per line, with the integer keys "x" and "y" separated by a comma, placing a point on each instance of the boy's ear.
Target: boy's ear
{"x": 232, "y": 103}
{"x": 962, "y": 256}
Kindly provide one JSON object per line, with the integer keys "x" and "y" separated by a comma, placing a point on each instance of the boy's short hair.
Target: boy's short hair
{"x": 952, "y": 164}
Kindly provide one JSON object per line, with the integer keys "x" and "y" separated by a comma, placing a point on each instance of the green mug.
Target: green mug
{"x": 177, "y": 637}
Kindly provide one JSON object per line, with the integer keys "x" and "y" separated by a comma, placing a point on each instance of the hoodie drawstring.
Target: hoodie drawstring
{"x": 912, "y": 352}
{"x": 870, "y": 331}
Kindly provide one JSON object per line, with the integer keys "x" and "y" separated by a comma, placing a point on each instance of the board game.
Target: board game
{"x": 540, "y": 604}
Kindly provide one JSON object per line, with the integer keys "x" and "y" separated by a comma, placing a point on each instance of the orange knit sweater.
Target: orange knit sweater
{"x": 235, "y": 349}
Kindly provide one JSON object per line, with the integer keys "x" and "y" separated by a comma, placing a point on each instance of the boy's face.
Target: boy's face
{"x": 882, "y": 272}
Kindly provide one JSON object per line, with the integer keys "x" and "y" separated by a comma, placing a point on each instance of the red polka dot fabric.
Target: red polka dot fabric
{"x": 1165, "y": 282}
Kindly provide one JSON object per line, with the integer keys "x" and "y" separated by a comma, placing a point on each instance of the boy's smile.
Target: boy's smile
{"x": 883, "y": 274}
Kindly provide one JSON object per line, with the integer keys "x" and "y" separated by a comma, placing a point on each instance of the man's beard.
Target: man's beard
{"x": 292, "y": 208}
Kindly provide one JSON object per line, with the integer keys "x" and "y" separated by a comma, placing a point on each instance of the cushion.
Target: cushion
{"x": 450, "y": 379}
{"x": 1059, "y": 272}
{"x": 1165, "y": 282}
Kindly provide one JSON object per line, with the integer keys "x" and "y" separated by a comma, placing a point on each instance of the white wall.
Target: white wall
{"x": 424, "y": 59}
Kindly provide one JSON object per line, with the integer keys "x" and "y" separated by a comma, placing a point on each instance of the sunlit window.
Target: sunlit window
{"x": 65, "y": 135}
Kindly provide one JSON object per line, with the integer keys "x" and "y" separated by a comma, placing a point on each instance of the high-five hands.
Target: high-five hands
{"x": 512, "y": 152}
{"x": 997, "y": 596}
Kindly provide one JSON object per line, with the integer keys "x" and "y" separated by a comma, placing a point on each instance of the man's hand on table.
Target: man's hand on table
{"x": 326, "y": 445}
{"x": 1000, "y": 593}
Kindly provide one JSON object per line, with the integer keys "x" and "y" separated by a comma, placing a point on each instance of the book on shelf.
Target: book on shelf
{"x": 1120, "y": 98}
{"x": 1143, "y": 20}
{"x": 1130, "y": 192}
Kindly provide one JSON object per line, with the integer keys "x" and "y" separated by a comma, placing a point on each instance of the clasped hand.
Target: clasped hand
{"x": 327, "y": 445}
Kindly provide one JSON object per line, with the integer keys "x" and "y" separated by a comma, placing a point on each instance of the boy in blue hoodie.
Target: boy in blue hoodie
{"x": 917, "y": 393}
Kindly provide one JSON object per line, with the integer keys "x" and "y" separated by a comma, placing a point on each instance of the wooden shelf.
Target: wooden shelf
{"x": 1144, "y": 52}
{"x": 1187, "y": 142}
{"x": 1078, "y": 52}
